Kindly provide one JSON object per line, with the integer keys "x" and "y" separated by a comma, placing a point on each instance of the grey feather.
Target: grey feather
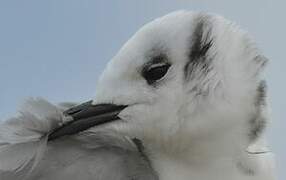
{"x": 103, "y": 156}
{"x": 23, "y": 138}
{"x": 98, "y": 155}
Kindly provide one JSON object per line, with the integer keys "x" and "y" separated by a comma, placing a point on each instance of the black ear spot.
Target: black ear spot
{"x": 201, "y": 42}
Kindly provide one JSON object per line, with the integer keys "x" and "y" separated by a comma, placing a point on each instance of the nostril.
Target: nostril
{"x": 78, "y": 108}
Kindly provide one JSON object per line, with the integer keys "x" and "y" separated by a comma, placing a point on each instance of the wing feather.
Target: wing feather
{"x": 93, "y": 154}
{"x": 23, "y": 139}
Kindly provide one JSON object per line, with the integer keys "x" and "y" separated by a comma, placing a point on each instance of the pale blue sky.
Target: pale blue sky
{"x": 57, "y": 48}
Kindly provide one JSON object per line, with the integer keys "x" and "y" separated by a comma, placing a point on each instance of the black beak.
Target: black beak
{"x": 85, "y": 116}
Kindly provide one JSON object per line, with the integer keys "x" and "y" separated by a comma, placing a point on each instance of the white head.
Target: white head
{"x": 186, "y": 77}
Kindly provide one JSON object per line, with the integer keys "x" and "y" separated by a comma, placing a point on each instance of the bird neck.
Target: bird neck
{"x": 217, "y": 144}
{"x": 209, "y": 156}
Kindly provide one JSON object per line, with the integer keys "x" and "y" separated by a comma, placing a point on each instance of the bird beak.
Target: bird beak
{"x": 85, "y": 116}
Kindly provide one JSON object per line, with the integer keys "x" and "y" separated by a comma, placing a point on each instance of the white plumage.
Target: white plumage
{"x": 196, "y": 101}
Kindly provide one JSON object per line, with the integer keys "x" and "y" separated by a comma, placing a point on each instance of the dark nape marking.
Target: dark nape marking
{"x": 261, "y": 60}
{"x": 258, "y": 122}
{"x": 261, "y": 94}
{"x": 201, "y": 42}
{"x": 244, "y": 169}
{"x": 257, "y": 126}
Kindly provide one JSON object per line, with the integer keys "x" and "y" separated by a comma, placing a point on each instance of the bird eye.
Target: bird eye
{"x": 155, "y": 72}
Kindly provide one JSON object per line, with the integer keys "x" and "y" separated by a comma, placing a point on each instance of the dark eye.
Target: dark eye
{"x": 155, "y": 72}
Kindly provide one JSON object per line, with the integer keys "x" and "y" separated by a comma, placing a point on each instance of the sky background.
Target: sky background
{"x": 57, "y": 49}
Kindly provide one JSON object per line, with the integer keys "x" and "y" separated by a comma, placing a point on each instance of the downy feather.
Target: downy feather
{"x": 23, "y": 139}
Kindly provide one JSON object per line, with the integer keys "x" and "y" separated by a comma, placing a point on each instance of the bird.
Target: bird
{"x": 184, "y": 98}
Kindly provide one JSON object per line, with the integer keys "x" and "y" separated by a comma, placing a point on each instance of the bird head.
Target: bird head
{"x": 183, "y": 77}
